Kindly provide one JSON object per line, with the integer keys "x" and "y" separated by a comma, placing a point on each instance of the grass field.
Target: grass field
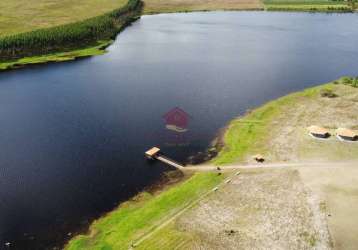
{"x": 134, "y": 219}
{"x": 18, "y": 16}
{"x": 160, "y": 6}
{"x": 307, "y": 5}
{"x": 26, "y": 15}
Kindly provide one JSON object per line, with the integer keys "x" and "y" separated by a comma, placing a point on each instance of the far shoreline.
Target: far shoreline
{"x": 99, "y": 47}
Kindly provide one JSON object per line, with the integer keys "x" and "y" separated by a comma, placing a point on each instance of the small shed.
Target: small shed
{"x": 259, "y": 158}
{"x": 153, "y": 152}
{"x": 347, "y": 134}
{"x": 318, "y": 132}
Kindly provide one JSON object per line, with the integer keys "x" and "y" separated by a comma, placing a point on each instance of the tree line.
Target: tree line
{"x": 68, "y": 36}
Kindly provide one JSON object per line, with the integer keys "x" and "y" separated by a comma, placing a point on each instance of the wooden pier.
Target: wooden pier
{"x": 154, "y": 154}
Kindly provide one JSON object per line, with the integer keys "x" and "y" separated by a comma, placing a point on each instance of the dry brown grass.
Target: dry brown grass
{"x": 159, "y": 6}
{"x": 25, "y": 15}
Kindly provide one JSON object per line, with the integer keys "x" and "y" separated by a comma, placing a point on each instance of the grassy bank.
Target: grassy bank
{"x": 278, "y": 129}
{"x": 98, "y": 49}
{"x": 307, "y": 6}
{"x": 136, "y": 218}
{"x": 247, "y": 135}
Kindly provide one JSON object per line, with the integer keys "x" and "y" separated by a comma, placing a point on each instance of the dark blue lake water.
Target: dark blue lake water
{"x": 72, "y": 135}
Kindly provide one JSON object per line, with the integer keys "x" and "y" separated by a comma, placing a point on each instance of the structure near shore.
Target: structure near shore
{"x": 155, "y": 154}
{"x": 347, "y": 134}
{"x": 319, "y": 132}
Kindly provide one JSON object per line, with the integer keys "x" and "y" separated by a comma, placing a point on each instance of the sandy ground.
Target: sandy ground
{"x": 338, "y": 186}
{"x": 259, "y": 209}
{"x": 288, "y": 137}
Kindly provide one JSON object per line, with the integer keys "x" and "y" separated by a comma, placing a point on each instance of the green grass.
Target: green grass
{"x": 307, "y": 5}
{"x": 133, "y": 219}
{"x": 56, "y": 57}
{"x": 246, "y": 135}
{"x": 71, "y": 36}
{"x": 17, "y": 16}
{"x": 167, "y": 238}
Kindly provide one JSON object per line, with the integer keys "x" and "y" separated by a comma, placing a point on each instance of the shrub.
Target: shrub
{"x": 347, "y": 80}
{"x": 355, "y": 82}
{"x": 328, "y": 93}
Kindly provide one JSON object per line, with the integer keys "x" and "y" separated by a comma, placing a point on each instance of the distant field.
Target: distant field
{"x": 25, "y": 15}
{"x": 158, "y": 6}
{"x": 306, "y": 5}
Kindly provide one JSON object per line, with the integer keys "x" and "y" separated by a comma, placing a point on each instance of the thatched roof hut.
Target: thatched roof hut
{"x": 347, "y": 134}
{"x": 319, "y": 132}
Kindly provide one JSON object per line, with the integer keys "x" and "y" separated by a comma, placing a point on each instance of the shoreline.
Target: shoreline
{"x": 247, "y": 135}
{"x": 251, "y": 121}
{"x": 88, "y": 51}
{"x": 247, "y": 126}
{"x": 60, "y": 43}
{"x": 155, "y": 205}
{"x": 99, "y": 46}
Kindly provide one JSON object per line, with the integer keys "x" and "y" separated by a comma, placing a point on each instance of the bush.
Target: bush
{"x": 351, "y": 81}
{"x": 347, "y": 80}
{"x": 328, "y": 93}
{"x": 355, "y": 82}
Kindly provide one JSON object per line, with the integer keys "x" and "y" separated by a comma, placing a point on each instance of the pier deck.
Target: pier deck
{"x": 154, "y": 154}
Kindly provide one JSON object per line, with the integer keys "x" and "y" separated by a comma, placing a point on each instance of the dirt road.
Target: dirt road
{"x": 208, "y": 167}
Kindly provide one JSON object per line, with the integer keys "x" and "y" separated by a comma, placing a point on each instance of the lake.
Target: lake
{"x": 73, "y": 135}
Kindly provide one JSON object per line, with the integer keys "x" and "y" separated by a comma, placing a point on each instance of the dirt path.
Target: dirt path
{"x": 205, "y": 167}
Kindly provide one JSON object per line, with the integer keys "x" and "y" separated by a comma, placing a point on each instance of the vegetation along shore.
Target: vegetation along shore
{"x": 208, "y": 208}
{"x": 85, "y": 28}
{"x": 68, "y": 41}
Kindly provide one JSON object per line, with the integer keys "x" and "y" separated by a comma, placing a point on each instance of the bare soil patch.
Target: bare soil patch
{"x": 259, "y": 209}
{"x": 337, "y": 186}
